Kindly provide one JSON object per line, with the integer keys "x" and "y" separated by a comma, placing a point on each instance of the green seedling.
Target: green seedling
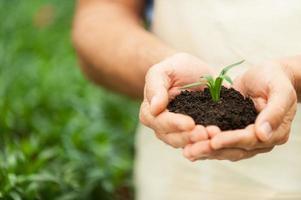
{"x": 214, "y": 85}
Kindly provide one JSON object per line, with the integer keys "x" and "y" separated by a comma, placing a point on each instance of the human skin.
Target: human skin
{"x": 163, "y": 82}
{"x": 116, "y": 52}
{"x": 114, "y": 49}
{"x": 274, "y": 87}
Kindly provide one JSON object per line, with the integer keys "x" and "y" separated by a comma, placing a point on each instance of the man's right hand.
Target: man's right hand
{"x": 162, "y": 83}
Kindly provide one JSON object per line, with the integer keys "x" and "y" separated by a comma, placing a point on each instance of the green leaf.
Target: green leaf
{"x": 209, "y": 78}
{"x": 209, "y": 85}
{"x": 210, "y": 81}
{"x": 193, "y": 85}
{"x": 212, "y": 93}
{"x": 228, "y": 79}
{"x": 227, "y": 68}
{"x": 217, "y": 88}
{"x": 15, "y": 196}
{"x": 204, "y": 81}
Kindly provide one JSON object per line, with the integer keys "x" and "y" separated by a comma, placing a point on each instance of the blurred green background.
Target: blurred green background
{"x": 61, "y": 137}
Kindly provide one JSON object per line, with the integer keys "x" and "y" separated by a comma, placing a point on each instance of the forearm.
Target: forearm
{"x": 114, "y": 48}
{"x": 294, "y": 66}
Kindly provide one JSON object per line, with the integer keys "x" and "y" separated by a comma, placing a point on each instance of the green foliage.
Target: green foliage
{"x": 214, "y": 85}
{"x": 60, "y": 137}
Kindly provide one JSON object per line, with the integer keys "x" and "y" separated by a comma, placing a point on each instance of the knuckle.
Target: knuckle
{"x": 142, "y": 117}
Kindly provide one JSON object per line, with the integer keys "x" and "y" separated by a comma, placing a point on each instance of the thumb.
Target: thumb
{"x": 156, "y": 90}
{"x": 238, "y": 84}
{"x": 280, "y": 99}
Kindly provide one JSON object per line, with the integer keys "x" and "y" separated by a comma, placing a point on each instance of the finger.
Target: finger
{"x": 144, "y": 116}
{"x": 244, "y": 138}
{"x": 260, "y": 104}
{"x": 236, "y": 154}
{"x": 176, "y": 140}
{"x": 165, "y": 122}
{"x": 253, "y": 153}
{"x": 156, "y": 89}
{"x": 281, "y": 97}
{"x": 202, "y": 150}
{"x": 238, "y": 85}
{"x": 173, "y": 92}
{"x": 281, "y": 135}
{"x": 229, "y": 154}
{"x": 213, "y": 130}
{"x": 199, "y": 133}
{"x": 199, "y": 150}
{"x": 173, "y": 122}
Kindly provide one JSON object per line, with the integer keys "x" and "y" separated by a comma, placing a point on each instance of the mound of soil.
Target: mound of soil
{"x": 232, "y": 111}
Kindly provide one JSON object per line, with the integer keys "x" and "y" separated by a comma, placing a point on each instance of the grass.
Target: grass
{"x": 60, "y": 136}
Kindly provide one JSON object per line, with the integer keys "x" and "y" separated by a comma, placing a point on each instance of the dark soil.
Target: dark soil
{"x": 232, "y": 111}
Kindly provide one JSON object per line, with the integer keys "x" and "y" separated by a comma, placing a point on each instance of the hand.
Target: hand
{"x": 202, "y": 149}
{"x": 162, "y": 83}
{"x": 270, "y": 86}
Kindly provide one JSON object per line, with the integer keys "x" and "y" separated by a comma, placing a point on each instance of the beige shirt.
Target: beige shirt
{"x": 221, "y": 32}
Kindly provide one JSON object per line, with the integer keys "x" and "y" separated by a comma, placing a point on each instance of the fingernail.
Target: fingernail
{"x": 266, "y": 129}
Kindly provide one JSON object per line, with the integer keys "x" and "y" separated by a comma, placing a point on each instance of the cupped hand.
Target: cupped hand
{"x": 203, "y": 150}
{"x": 163, "y": 82}
{"x": 270, "y": 85}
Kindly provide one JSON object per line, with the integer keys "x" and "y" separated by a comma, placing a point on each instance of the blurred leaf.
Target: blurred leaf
{"x": 60, "y": 136}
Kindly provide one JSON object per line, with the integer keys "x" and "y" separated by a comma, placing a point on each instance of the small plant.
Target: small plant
{"x": 214, "y": 85}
